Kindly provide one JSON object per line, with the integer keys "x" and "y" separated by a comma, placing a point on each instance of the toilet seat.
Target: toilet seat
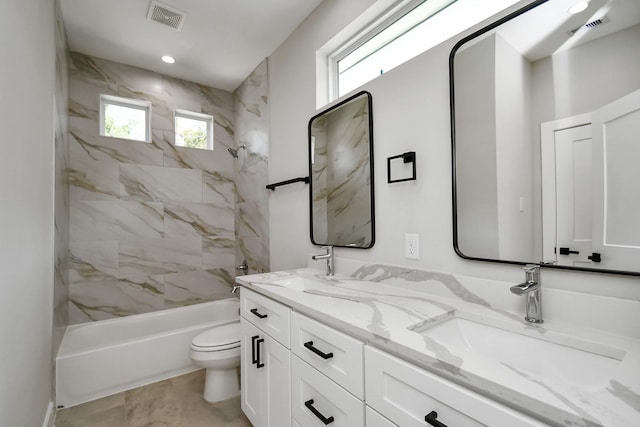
{"x": 220, "y": 338}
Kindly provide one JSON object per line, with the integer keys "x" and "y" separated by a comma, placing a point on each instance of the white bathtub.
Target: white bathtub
{"x": 102, "y": 358}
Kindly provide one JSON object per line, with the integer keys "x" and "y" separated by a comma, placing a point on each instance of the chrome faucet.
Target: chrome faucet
{"x": 532, "y": 291}
{"x": 328, "y": 256}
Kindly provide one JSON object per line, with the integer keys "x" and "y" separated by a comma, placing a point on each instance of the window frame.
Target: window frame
{"x": 186, "y": 114}
{"x": 378, "y": 25}
{"x": 136, "y": 104}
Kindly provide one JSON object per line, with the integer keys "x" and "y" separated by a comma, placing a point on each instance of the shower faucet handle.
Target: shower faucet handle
{"x": 244, "y": 267}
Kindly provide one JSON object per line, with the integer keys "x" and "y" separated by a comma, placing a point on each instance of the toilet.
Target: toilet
{"x": 218, "y": 350}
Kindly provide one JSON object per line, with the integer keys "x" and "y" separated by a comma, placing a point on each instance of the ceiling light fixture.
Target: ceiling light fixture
{"x": 578, "y": 7}
{"x": 168, "y": 59}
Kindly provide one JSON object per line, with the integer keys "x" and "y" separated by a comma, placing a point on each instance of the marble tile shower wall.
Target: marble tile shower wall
{"x": 151, "y": 224}
{"x": 252, "y": 170}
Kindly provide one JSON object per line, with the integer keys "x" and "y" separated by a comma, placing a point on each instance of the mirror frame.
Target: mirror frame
{"x": 371, "y": 169}
{"x": 456, "y": 247}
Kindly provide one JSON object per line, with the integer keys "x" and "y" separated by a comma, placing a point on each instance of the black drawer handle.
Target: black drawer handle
{"x": 309, "y": 405}
{"x": 431, "y": 420}
{"x": 255, "y": 311}
{"x": 325, "y": 356}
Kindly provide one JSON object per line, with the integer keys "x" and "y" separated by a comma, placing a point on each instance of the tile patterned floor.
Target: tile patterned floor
{"x": 176, "y": 402}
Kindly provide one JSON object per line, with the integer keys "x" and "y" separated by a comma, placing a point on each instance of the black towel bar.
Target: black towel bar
{"x": 272, "y": 187}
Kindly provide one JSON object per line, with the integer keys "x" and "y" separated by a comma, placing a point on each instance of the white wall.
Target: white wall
{"x": 411, "y": 112}
{"x": 514, "y": 150}
{"x": 26, "y": 216}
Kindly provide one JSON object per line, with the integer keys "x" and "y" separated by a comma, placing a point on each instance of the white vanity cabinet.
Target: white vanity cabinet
{"x": 327, "y": 375}
{"x": 406, "y": 394}
{"x": 298, "y": 372}
{"x": 265, "y": 361}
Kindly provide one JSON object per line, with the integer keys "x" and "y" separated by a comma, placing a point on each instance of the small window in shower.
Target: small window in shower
{"x": 125, "y": 118}
{"x": 194, "y": 130}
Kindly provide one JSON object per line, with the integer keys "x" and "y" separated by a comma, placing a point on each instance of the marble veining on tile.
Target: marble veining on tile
{"x": 106, "y": 299}
{"x": 155, "y": 183}
{"x": 114, "y": 220}
{"x": 252, "y": 170}
{"x": 198, "y": 286}
{"x": 159, "y": 256}
{"x": 197, "y": 219}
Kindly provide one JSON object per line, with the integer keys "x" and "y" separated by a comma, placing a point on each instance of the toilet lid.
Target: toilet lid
{"x": 219, "y": 338}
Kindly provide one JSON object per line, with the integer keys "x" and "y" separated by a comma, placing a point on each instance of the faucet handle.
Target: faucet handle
{"x": 531, "y": 268}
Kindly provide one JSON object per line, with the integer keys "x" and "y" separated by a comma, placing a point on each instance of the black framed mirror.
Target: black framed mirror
{"x": 341, "y": 174}
{"x": 545, "y": 118}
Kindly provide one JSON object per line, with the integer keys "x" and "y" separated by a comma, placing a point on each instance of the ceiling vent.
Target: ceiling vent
{"x": 166, "y": 15}
{"x": 590, "y": 25}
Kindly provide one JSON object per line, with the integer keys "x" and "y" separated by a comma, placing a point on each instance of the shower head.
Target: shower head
{"x": 234, "y": 151}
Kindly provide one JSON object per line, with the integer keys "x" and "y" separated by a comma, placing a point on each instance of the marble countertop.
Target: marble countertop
{"x": 390, "y": 314}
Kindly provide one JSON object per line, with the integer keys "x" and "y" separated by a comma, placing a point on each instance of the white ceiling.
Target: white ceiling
{"x": 545, "y": 30}
{"x": 220, "y": 43}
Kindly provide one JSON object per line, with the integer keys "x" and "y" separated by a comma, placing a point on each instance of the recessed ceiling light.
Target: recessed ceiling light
{"x": 578, "y": 7}
{"x": 168, "y": 59}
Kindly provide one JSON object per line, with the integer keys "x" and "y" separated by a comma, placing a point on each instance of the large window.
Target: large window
{"x": 404, "y": 31}
{"x": 194, "y": 130}
{"x": 125, "y": 118}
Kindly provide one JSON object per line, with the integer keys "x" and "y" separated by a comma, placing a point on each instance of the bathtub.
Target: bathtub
{"x": 102, "y": 358}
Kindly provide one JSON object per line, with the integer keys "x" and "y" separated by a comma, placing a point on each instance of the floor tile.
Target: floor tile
{"x": 176, "y": 402}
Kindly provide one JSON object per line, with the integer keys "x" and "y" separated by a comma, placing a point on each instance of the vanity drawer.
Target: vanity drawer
{"x": 315, "y": 397}
{"x": 268, "y": 315}
{"x": 336, "y": 355}
{"x": 405, "y": 394}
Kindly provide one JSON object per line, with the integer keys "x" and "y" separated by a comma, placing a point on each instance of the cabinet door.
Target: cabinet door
{"x": 252, "y": 396}
{"x": 266, "y": 378}
{"x": 277, "y": 378}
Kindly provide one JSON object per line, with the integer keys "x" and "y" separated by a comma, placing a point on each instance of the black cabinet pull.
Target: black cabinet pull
{"x": 255, "y": 311}
{"x": 258, "y": 363}
{"x": 309, "y": 405}
{"x": 431, "y": 419}
{"x": 254, "y": 360}
{"x": 325, "y": 356}
{"x": 567, "y": 251}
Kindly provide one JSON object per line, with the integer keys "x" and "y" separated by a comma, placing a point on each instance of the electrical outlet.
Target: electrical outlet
{"x": 411, "y": 246}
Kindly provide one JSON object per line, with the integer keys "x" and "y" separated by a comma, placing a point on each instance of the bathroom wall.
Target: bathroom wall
{"x": 151, "y": 224}
{"x": 411, "y": 112}
{"x": 27, "y": 235}
{"x": 252, "y": 115}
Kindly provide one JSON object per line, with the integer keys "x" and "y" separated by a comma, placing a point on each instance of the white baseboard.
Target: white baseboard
{"x": 50, "y": 416}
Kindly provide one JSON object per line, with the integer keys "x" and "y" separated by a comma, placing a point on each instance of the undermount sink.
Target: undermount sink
{"x": 299, "y": 283}
{"x": 557, "y": 358}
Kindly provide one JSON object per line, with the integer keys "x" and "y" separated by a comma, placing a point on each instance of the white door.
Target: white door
{"x": 573, "y": 194}
{"x": 566, "y": 189}
{"x": 616, "y": 177}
